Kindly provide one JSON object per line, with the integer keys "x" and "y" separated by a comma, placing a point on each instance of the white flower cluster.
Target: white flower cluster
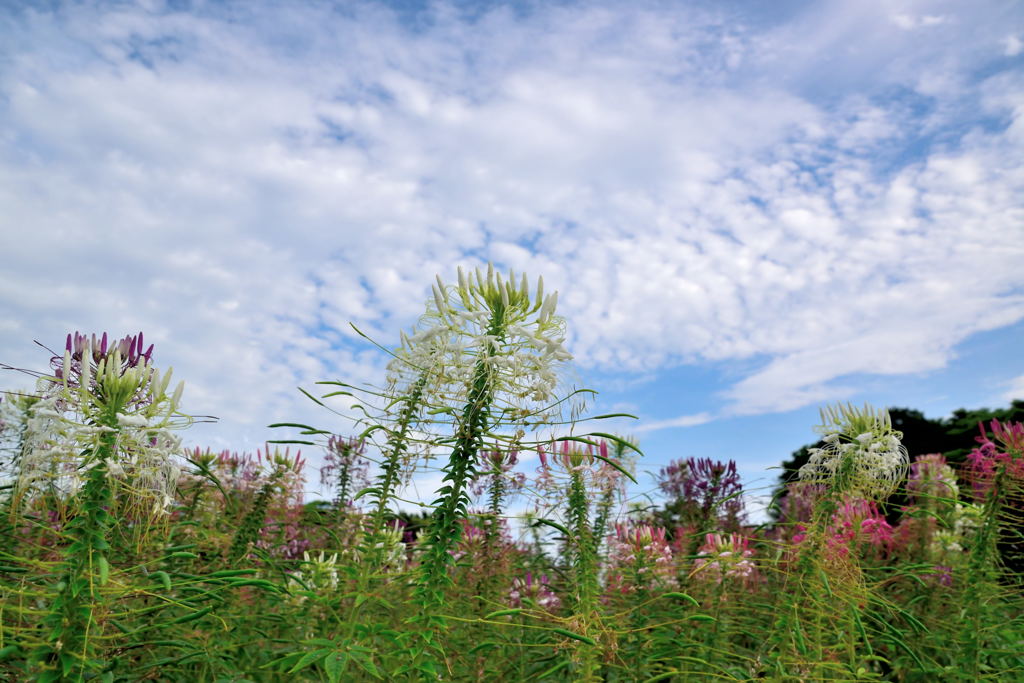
{"x": 316, "y": 575}
{"x": 967, "y": 519}
{"x": 862, "y": 454}
{"x": 392, "y": 548}
{"x": 491, "y": 320}
{"x": 65, "y": 431}
{"x": 949, "y": 544}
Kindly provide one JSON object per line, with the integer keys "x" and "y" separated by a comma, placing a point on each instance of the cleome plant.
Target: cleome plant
{"x": 538, "y": 556}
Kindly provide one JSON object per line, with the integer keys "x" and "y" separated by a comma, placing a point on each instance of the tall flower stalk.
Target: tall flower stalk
{"x": 116, "y": 413}
{"x": 862, "y": 458}
{"x": 504, "y": 346}
{"x": 511, "y": 343}
{"x": 394, "y": 460}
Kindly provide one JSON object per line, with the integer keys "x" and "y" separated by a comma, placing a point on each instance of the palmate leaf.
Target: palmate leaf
{"x": 310, "y": 658}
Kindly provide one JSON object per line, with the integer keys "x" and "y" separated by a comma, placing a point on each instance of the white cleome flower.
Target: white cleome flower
{"x": 862, "y": 452}
{"x": 70, "y": 424}
{"x": 490, "y": 319}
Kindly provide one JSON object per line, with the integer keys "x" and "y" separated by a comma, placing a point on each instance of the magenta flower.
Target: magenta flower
{"x": 1005, "y": 449}
{"x": 857, "y": 523}
{"x": 701, "y": 491}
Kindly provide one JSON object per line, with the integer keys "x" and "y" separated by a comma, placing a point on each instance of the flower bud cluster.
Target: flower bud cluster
{"x": 498, "y": 465}
{"x": 701, "y": 489}
{"x": 949, "y": 543}
{"x": 798, "y": 503}
{"x": 856, "y": 524}
{"x": 81, "y": 353}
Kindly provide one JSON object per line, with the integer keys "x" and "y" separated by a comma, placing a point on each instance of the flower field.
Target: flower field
{"x": 126, "y": 557}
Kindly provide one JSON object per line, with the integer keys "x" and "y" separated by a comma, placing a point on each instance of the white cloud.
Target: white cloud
{"x": 1012, "y": 46}
{"x": 909, "y": 22}
{"x": 681, "y": 421}
{"x": 824, "y": 193}
{"x": 1015, "y": 392}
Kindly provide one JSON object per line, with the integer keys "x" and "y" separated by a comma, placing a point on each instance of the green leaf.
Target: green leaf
{"x": 337, "y": 393}
{"x": 681, "y": 596}
{"x": 104, "y": 568}
{"x": 309, "y": 658}
{"x": 575, "y": 636}
{"x": 662, "y": 677}
{"x": 192, "y": 617}
{"x": 369, "y": 430}
{"x": 553, "y": 670}
{"x": 334, "y": 666}
{"x": 285, "y": 661}
{"x": 183, "y": 546}
{"x": 306, "y": 429}
{"x": 553, "y": 525}
{"x": 617, "y": 439}
{"x": 258, "y": 583}
{"x": 311, "y": 397}
{"x": 368, "y": 490}
{"x": 228, "y": 573}
{"x": 9, "y": 651}
{"x": 164, "y": 578}
{"x": 503, "y": 613}
{"x": 364, "y": 661}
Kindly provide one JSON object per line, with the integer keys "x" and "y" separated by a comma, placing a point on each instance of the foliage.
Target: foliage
{"x": 127, "y": 557}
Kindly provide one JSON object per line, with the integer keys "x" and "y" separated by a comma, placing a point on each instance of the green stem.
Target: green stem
{"x": 70, "y": 651}
{"x": 397, "y": 445}
{"x": 585, "y": 571}
{"x": 451, "y": 508}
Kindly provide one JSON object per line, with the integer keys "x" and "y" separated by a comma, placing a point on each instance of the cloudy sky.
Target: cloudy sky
{"x": 749, "y": 209}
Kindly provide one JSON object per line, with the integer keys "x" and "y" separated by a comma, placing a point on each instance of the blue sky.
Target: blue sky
{"x": 748, "y": 209}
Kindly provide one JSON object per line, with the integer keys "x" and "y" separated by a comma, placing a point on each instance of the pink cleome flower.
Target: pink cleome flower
{"x": 856, "y": 522}
{"x": 725, "y": 556}
{"x": 1005, "y": 449}
{"x": 642, "y": 555}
